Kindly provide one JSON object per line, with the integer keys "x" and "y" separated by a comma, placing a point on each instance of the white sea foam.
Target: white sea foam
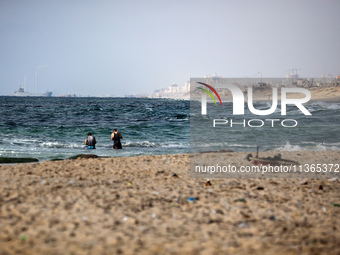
{"x": 289, "y": 147}
{"x": 58, "y": 145}
{"x": 324, "y": 105}
{"x": 177, "y": 120}
{"x": 309, "y": 146}
{"x": 140, "y": 144}
{"x": 154, "y": 145}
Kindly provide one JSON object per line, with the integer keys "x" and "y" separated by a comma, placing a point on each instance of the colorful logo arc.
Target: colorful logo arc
{"x": 212, "y": 89}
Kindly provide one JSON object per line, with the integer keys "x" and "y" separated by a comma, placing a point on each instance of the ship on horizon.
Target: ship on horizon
{"x": 22, "y": 93}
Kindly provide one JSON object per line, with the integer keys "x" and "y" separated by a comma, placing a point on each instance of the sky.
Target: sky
{"x": 128, "y": 47}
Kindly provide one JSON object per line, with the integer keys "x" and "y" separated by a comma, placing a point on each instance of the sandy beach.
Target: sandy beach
{"x": 317, "y": 94}
{"x": 139, "y": 205}
{"x": 321, "y": 94}
{"x": 328, "y": 94}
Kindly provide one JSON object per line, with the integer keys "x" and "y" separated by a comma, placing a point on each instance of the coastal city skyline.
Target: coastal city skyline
{"x": 123, "y": 48}
{"x": 181, "y": 90}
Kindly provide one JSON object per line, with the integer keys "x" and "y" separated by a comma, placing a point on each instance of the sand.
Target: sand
{"x": 317, "y": 94}
{"x": 138, "y": 205}
{"x": 320, "y": 94}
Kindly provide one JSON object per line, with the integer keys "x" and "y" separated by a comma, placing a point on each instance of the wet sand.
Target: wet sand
{"x": 139, "y": 205}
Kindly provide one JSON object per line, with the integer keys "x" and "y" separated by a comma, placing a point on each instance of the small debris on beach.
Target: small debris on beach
{"x": 23, "y": 238}
{"x": 304, "y": 182}
{"x": 272, "y": 218}
{"x": 240, "y": 200}
{"x": 243, "y": 225}
{"x": 245, "y": 215}
{"x": 191, "y": 199}
{"x": 333, "y": 179}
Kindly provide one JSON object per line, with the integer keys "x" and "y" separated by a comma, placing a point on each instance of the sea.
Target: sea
{"x": 56, "y": 128}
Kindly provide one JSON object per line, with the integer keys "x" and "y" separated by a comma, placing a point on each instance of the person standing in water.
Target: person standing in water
{"x": 115, "y": 137}
{"x": 90, "y": 141}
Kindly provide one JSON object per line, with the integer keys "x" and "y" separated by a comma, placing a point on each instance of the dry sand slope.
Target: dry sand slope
{"x": 317, "y": 93}
{"x": 139, "y": 205}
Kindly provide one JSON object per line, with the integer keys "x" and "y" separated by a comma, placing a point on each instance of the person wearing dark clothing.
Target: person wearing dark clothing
{"x": 90, "y": 141}
{"x": 115, "y": 137}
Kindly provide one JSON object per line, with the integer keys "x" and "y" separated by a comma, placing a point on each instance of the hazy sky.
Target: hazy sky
{"x": 126, "y": 47}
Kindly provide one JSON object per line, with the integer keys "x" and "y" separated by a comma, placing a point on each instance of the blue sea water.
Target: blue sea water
{"x": 48, "y": 128}
{"x": 319, "y": 131}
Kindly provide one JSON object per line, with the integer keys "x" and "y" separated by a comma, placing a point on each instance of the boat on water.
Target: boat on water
{"x": 22, "y": 93}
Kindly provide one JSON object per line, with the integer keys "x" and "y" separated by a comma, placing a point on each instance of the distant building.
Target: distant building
{"x": 173, "y": 88}
{"x": 212, "y": 76}
{"x": 173, "y": 91}
{"x": 186, "y": 86}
